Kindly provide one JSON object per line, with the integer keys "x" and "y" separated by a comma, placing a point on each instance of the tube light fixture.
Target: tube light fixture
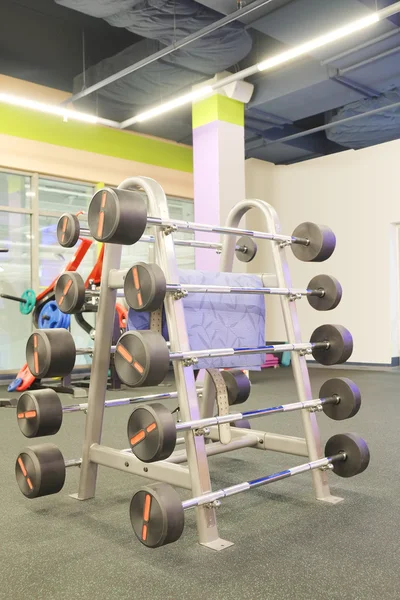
{"x": 175, "y": 103}
{"x": 319, "y": 42}
{"x": 53, "y": 109}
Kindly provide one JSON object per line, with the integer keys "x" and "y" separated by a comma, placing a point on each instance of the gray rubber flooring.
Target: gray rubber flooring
{"x": 287, "y": 545}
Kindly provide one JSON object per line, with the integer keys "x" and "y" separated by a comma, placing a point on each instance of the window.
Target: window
{"x": 30, "y": 206}
{"x": 15, "y": 191}
{"x": 15, "y": 267}
{"x": 55, "y": 198}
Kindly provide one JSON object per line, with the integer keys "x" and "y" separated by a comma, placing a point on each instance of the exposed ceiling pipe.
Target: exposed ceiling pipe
{"x": 189, "y": 39}
{"x": 369, "y": 60}
{"x": 306, "y": 132}
{"x": 375, "y": 40}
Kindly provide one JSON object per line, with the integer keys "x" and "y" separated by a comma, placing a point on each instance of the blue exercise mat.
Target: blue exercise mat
{"x": 219, "y": 320}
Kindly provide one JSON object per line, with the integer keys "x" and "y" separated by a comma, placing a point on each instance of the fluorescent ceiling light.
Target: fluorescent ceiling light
{"x": 319, "y": 42}
{"x": 50, "y": 109}
{"x": 53, "y": 109}
{"x": 175, "y": 103}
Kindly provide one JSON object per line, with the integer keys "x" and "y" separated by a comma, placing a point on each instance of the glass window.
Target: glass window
{"x": 183, "y": 210}
{"x": 180, "y": 209}
{"x": 15, "y": 277}
{"x": 15, "y": 190}
{"x": 63, "y": 196}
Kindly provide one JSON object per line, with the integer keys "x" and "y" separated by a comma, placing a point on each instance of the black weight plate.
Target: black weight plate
{"x": 40, "y": 470}
{"x": 145, "y": 287}
{"x": 141, "y": 358}
{"x": 50, "y": 353}
{"x": 70, "y": 292}
{"x": 68, "y": 230}
{"x": 242, "y": 424}
{"x": 157, "y": 515}
{"x": 332, "y": 292}
{"x": 340, "y": 344}
{"x": 348, "y": 395}
{"x": 39, "y": 413}
{"x": 117, "y": 216}
{"x": 248, "y": 249}
{"x": 238, "y": 386}
{"x": 322, "y": 242}
{"x": 152, "y": 432}
{"x": 356, "y": 450}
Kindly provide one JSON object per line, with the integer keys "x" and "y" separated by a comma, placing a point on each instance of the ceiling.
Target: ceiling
{"x": 59, "y": 43}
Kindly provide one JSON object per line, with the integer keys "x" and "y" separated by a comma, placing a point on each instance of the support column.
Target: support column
{"x": 218, "y": 157}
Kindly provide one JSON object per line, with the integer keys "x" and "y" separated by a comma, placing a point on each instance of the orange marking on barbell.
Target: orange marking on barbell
{"x": 136, "y": 278}
{"x": 138, "y": 367}
{"x": 146, "y": 509}
{"x": 144, "y": 532}
{"x": 29, "y": 482}
{"x": 103, "y": 199}
{"x": 64, "y": 228}
{"x": 21, "y": 415}
{"x": 101, "y": 225}
{"x": 30, "y": 414}
{"x": 151, "y": 427}
{"x": 36, "y": 361}
{"x": 22, "y": 466}
{"x": 124, "y": 353}
{"x": 139, "y": 299}
{"x": 35, "y": 341}
{"x": 138, "y": 437}
{"x": 65, "y": 291}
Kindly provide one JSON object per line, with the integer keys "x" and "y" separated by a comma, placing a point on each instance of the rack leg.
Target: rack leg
{"x": 99, "y": 373}
{"x": 184, "y": 376}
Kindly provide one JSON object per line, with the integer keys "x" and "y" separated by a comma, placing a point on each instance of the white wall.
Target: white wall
{"x": 354, "y": 193}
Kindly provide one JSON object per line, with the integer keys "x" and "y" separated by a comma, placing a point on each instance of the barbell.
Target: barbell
{"x": 69, "y": 231}
{"x": 157, "y": 512}
{"x": 145, "y": 288}
{"x": 142, "y": 357}
{"x": 152, "y": 430}
{"x": 40, "y": 412}
{"x": 120, "y": 216}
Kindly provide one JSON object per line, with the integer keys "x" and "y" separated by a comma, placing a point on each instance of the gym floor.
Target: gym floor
{"x": 287, "y": 545}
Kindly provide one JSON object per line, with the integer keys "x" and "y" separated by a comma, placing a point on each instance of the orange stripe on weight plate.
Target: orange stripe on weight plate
{"x": 29, "y": 482}
{"x": 65, "y": 291}
{"x": 35, "y": 353}
{"x": 22, "y": 466}
{"x": 138, "y": 367}
{"x": 101, "y": 225}
{"x": 146, "y": 509}
{"x": 30, "y": 414}
{"x": 151, "y": 427}
{"x": 124, "y": 353}
{"x": 21, "y": 415}
{"x": 144, "y": 532}
{"x": 139, "y": 299}
{"x": 103, "y": 199}
{"x": 136, "y": 278}
{"x": 64, "y": 228}
{"x": 138, "y": 437}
